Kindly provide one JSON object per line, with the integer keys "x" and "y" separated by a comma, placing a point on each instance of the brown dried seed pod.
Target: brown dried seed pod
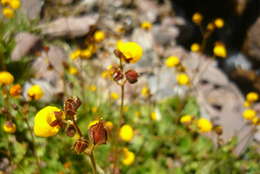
{"x": 131, "y": 76}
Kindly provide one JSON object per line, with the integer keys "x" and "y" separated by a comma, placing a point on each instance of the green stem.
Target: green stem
{"x": 93, "y": 162}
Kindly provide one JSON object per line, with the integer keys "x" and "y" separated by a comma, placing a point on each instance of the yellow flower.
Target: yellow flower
{"x": 197, "y": 18}
{"x": 146, "y": 25}
{"x": 99, "y": 36}
{"x": 172, "y": 61}
{"x": 131, "y": 51}
{"x": 114, "y": 95}
{"x": 9, "y": 127}
{"x": 109, "y": 125}
{"x": 93, "y": 88}
{"x": 126, "y": 133}
{"x": 247, "y": 104}
{"x": 145, "y": 91}
{"x": 15, "y": 90}
{"x": 210, "y": 26}
{"x": 5, "y": 2}
{"x": 94, "y": 109}
{"x": 6, "y": 78}
{"x": 35, "y": 92}
{"x": 220, "y": 50}
{"x": 73, "y": 70}
{"x": 256, "y": 121}
{"x": 183, "y": 79}
{"x": 155, "y": 116}
{"x": 8, "y": 12}
{"x": 42, "y": 121}
{"x": 195, "y": 47}
{"x": 186, "y": 119}
{"x": 249, "y": 114}
{"x": 137, "y": 114}
{"x": 204, "y": 125}
{"x": 128, "y": 158}
{"x": 15, "y": 4}
{"x": 252, "y": 97}
{"x": 86, "y": 53}
{"x": 75, "y": 54}
{"x": 219, "y": 23}
{"x": 92, "y": 123}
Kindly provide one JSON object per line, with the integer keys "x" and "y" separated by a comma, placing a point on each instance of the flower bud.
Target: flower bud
{"x": 98, "y": 133}
{"x": 218, "y": 129}
{"x": 71, "y": 106}
{"x": 80, "y": 145}
{"x": 131, "y": 76}
{"x": 71, "y": 130}
{"x": 118, "y": 75}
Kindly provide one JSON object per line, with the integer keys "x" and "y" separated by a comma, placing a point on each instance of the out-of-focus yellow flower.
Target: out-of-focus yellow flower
{"x": 256, "y": 121}
{"x": 183, "y": 79}
{"x": 15, "y": 90}
{"x": 220, "y": 50}
{"x": 86, "y": 53}
{"x": 137, "y": 113}
{"x": 93, "y": 88}
{"x": 195, "y": 47}
{"x": 35, "y": 92}
{"x": 249, "y": 114}
{"x": 126, "y": 133}
{"x": 5, "y": 2}
{"x": 73, "y": 70}
{"x": 131, "y": 51}
{"x": 99, "y": 36}
{"x": 94, "y": 109}
{"x": 197, "y": 18}
{"x": 145, "y": 91}
{"x": 43, "y": 119}
{"x": 172, "y": 61}
{"x": 252, "y": 97}
{"x": 8, "y": 12}
{"x": 128, "y": 157}
{"x": 219, "y": 22}
{"x": 9, "y": 127}
{"x": 15, "y": 4}
{"x": 114, "y": 95}
{"x": 75, "y": 54}
{"x": 146, "y": 25}
{"x": 247, "y": 104}
{"x": 155, "y": 116}
{"x": 210, "y": 26}
{"x": 186, "y": 119}
{"x": 92, "y": 123}
{"x": 6, "y": 78}
{"x": 67, "y": 165}
{"x": 109, "y": 125}
{"x": 204, "y": 125}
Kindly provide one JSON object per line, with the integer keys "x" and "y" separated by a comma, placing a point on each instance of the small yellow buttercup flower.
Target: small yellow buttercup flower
{"x": 172, "y": 61}
{"x": 73, "y": 70}
{"x": 128, "y": 157}
{"x": 42, "y": 121}
{"x": 256, "y": 121}
{"x": 247, "y": 104}
{"x": 109, "y": 125}
{"x": 146, "y": 25}
{"x": 35, "y": 92}
{"x": 5, "y": 2}
{"x": 220, "y": 50}
{"x": 145, "y": 91}
{"x": 186, "y": 119}
{"x": 219, "y": 22}
{"x": 9, "y": 127}
{"x": 252, "y": 97}
{"x": 210, "y": 26}
{"x": 8, "y": 12}
{"x": 15, "y": 90}
{"x": 183, "y": 79}
{"x": 126, "y": 133}
{"x": 99, "y": 36}
{"x": 204, "y": 125}
{"x": 195, "y": 47}
{"x": 131, "y": 51}
{"x": 93, "y": 88}
{"x": 15, "y": 4}
{"x": 86, "y": 53}
{"x": 6, "y": 78}
{"x": 94, "y": 109}
{"x": 75, "y": 54}
{"x": 197, "y": 18}
{"x": 114, "y": 95}
{"x": 249, "y": 114}
{"x": 155, "y": 116}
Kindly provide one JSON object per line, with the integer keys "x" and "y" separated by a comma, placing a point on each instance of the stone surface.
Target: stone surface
{"x": 32, "y": 8}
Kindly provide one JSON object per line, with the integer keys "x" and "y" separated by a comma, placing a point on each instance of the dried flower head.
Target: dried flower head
{"x": 98, "y": 133}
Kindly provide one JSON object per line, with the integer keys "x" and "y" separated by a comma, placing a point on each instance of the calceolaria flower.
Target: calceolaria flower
{"x": 99, "y": 36}
{"x": 35, "y": 92}
{"x": 220, "y": 50}
{"x": 204, "y": 125}
{"x": 44, "y": 122}
{"x": 252, "y": 97}
{"x": 131, "y": 51}
{"x": 172, "y": 61}
{"x": 6, "y": 78}
{"x": 183, "y": 79}
{"x": 128, "y": 157}
{"x": 146, "y": 25}
{"x": 249, "y": 114}
{"x": 195, "y": 47}
{"x": 219, "y": 23}
{"x": 126, "y": 133}
{"x": 8, "y": 12}
{"x": 9, "y": 127}
{"x": 98, "y": 133}
{"x": 197, "y": 18}
{"x": 15, "y": 90}
{"x": 186, "y": 119}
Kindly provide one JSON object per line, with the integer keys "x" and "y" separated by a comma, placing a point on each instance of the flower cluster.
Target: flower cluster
{"x": 9, "y": 7}
{"x": 250, "y": 114}
{"x": 202, "y": 125}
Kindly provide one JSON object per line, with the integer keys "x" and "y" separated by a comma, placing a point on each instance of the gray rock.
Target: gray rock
{"x": 24, "y": 44}
{"x": 32, "y": 8}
